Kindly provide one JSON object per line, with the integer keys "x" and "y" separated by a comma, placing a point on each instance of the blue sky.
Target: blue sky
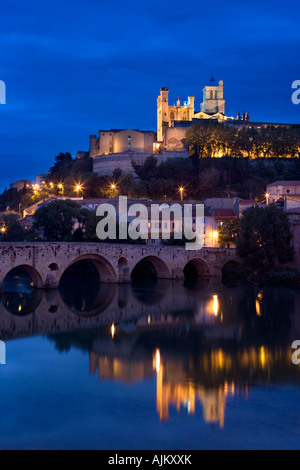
{"x": 72, "y": 68}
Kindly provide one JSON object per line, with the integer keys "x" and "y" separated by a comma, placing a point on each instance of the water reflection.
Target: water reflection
{"x": 204, "y": 345}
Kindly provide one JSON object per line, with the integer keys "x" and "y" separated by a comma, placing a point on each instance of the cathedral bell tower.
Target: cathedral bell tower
{"x": 213, "y": 101}
{"x": 162, "y": 113}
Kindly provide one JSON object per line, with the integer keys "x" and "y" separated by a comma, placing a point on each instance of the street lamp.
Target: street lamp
{"x": 61, "y": 186}
{"x": 215, "y": 236}
{"x": 267, "y": 198}
{"x": 181, "y": 189}
{"x": 114, "y": 188}
{"x": 3, "y": 230}
{"x": 78, "y": 188}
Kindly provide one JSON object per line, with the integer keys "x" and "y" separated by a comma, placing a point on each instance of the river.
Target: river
{"x": 159, "y": 365}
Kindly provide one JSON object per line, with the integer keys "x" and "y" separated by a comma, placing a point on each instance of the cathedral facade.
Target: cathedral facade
{"x": 171, "y": 116}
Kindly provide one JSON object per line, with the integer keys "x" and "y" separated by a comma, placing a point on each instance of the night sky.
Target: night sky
{"x": 72, "y": 68}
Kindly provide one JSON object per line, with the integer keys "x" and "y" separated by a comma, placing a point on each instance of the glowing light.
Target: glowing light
{"x": 258, "y": 302}
{"x": 181, "y": 189}
{"x": 215, "y": 305}
{"x": 3, "y": 229}
{"x": 60, "y": 186}
{"x": 78, "y": 188}
{"x": 113, "y": 330}
{"x": 157, "y": 360}
{"x": 149, "y": 319}
{"x": 262, "y": 356}
{"x": 267, "y": 198}
{"x": 20, "y": 308}
{"x": 215, "y": 234}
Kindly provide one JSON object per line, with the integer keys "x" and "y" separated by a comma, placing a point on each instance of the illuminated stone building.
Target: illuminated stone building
{"x": 172, "y": 120}
{"x": 118, "y": 141}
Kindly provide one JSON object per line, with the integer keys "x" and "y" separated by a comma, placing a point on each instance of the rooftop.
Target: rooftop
{"x": 285, "y": 183}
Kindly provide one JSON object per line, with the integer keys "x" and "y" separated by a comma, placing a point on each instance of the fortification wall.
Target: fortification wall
{"x": 106, "y": 164}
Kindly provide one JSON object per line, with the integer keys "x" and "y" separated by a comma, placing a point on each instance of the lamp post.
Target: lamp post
{"x": 267, "y": 198}
{"x": 78, "y": 188}
{"x": 61, "y": 187}
{"x": 3, "y": 231}
{"x": 181, "y": 189}
{"x": 114, "y": 188}
{"x": 215, "y": 236}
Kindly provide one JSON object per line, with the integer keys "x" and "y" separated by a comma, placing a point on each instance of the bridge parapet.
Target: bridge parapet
{"x": 47, "y": 262}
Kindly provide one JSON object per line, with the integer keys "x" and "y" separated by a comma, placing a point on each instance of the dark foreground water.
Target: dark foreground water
{"x": 161, "y": 366}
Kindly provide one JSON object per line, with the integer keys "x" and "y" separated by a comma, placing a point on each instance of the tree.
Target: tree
{"x": 210, "y": 139}
{"x": 146, "y": 171}
{"x": 62, "y": 166}
{"x": 10, "y": 229}
{"x": 88, "y": 221}
{"x": 265, "y": 237}
{"x": 229, "y": 232}
{"x": 56, "y": 219}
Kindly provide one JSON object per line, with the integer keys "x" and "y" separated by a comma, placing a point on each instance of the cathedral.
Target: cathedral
{"x": 117, "y": 147}
{"x": 171, "y": 116}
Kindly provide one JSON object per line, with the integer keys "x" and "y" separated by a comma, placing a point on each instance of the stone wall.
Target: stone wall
{"x": 106, "y": 164}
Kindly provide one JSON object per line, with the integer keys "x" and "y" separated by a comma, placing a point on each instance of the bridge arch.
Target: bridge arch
{"x": 103, "y": 266}
{"x": 229, "y": 266}
{"x": 196, "y": 268}
{"x": 32, "y": 273}
{"x": 161, "y": 269}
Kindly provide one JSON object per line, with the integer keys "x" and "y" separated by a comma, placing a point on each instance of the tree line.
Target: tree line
{"x": 209, "y": 139}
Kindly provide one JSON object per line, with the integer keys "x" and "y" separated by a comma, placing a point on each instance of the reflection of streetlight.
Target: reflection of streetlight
{"x": 216, "y": 305}
{"x": 113, "y": 330}
{"x": 267, "y": 198}
{"x": 157, "y": 360}
{"x": 181, "y": 189}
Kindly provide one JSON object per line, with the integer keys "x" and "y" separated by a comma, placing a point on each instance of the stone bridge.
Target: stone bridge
{"x": 47, "y": 262}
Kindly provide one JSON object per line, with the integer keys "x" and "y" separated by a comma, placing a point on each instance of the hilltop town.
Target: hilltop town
{"x": 229, "y": 164}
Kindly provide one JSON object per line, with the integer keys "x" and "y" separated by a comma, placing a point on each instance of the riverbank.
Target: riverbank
{"x": 281, "y": 276}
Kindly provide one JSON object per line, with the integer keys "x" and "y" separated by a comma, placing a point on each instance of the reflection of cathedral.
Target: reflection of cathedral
{"x": 214, "y": 377}
{"x": 174, "y": 390}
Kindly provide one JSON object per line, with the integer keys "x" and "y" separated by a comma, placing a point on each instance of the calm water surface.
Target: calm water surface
{"x": 157, "y": 366}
